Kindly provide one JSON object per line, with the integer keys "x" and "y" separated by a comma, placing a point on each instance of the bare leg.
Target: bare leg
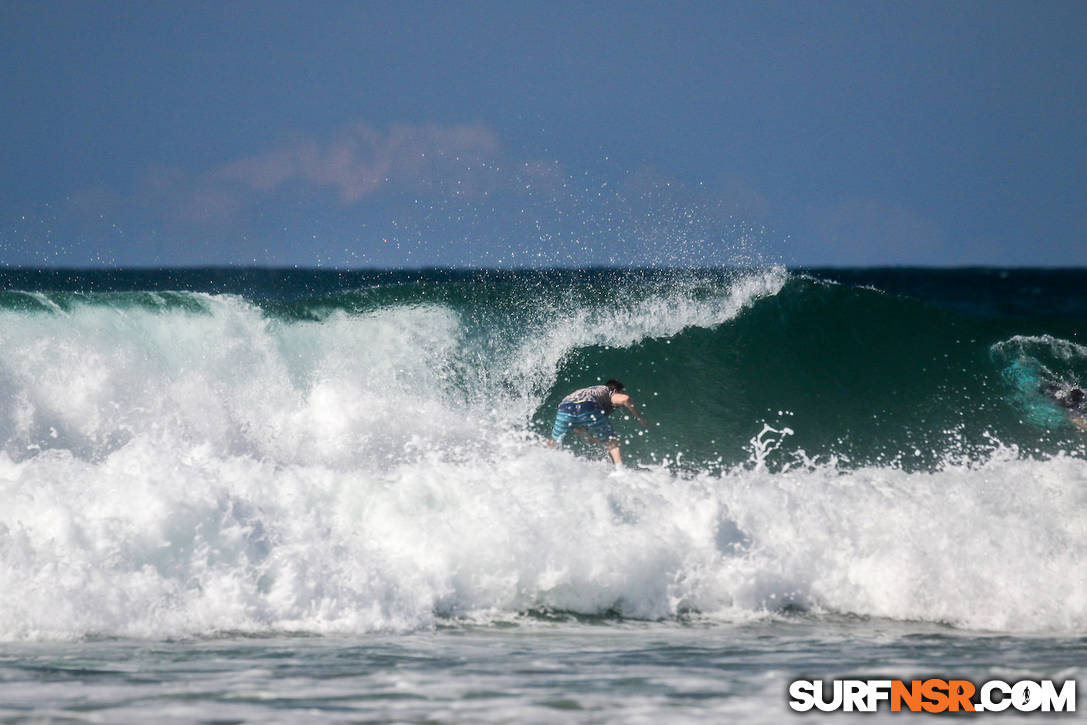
{"x": 612, "y": 444}
{"x": 613, "y": 450}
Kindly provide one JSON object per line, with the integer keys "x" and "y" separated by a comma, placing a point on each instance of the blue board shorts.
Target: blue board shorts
{"x": 582, "y": 415}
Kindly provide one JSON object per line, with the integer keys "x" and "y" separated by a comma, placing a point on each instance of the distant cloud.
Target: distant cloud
{"x": 362, "y": 160}
{"x": 426, "y": 161}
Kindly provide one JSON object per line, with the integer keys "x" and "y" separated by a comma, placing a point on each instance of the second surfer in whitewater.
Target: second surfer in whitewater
{"x": 585, "y": 412}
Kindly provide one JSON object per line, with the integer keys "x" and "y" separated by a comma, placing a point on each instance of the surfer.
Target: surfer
{"x": 586, "y": 411}
{"x": 1073, "y": 400}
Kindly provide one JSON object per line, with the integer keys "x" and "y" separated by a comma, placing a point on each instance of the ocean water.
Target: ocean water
{"x": 291, "y": 495}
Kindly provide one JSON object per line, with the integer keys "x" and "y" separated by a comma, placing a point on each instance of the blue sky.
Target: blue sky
{"x": 494, "y": 133}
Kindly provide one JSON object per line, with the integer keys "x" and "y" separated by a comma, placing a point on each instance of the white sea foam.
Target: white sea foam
{"x": 1041, "y": 344}
{"x": 153, "y": 542}
{"x": 169, "y": 473}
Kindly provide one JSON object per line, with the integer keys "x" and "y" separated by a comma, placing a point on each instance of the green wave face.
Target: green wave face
{"x": 855, "y": 373}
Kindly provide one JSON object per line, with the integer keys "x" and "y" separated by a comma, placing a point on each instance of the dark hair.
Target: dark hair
{"x": 614, "y": 386}
{"x": 1075, "y": 395}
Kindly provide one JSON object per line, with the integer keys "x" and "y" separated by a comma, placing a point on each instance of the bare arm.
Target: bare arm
{"x": 623, "y": 400}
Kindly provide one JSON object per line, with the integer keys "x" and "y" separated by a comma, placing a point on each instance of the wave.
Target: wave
{"x": 332, "y": 378}
{"x": 181, "y": 463}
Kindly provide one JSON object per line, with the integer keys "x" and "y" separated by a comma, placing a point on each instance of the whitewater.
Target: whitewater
{"x": 195, "y": 470}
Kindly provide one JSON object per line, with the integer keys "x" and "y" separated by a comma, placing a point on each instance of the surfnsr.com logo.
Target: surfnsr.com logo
{"x": 932, "y": 695}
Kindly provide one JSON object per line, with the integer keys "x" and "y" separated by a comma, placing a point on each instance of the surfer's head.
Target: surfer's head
{"x": 616, "y": 387}
{"x": 1075, "y": 396}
